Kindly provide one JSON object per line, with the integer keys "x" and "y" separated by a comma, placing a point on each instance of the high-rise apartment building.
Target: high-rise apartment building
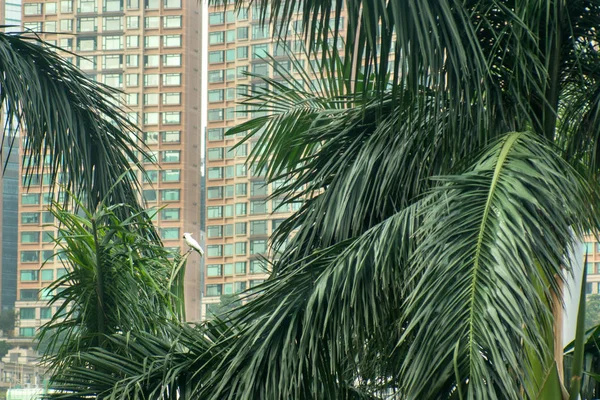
{"x": 592, "y": 249}
{"x": 151, "y": 50}
{"x": 10, "y": 16}
{"x": 239, "y": 219}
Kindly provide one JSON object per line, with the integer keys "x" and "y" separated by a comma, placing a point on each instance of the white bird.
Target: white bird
{"x": 190, "y": 241}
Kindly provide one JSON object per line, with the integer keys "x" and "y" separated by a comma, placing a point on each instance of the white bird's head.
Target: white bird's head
{"x": 187, "y": 235}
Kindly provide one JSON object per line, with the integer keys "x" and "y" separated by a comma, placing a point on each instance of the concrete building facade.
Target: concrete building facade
{"x": 150, "y": 49}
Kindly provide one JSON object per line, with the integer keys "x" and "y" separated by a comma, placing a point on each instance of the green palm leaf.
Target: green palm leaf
{"x": 493, "y": 236}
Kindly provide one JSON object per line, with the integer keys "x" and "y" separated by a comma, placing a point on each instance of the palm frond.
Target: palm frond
{"x": 68, "y": 118}
{"x": 493, "y": 236}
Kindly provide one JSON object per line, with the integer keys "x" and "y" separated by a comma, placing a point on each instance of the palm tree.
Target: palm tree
{"x": 449, "y": 161}
{"x": 66, "y": 116}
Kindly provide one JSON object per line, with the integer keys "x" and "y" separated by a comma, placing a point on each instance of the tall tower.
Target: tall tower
{"x": 151, "y": 50}
{"x": 239, "y": 218}
{"x": 10, "y": 14}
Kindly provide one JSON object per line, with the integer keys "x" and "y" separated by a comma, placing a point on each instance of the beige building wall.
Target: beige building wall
{"x": 151, "y": 50}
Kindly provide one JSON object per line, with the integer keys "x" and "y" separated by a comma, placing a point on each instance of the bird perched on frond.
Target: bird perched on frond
{"x": 190, "y": 241}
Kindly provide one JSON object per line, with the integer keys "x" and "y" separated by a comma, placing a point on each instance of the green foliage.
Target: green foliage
{"x": 7, "y": 321}
{"x": 118, "y": 280}
{"x": 441, "y": 202}
{"x": 4, "y": 348}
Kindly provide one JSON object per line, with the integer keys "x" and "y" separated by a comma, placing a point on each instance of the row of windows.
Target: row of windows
{"x": 116, "y": 42}
{"x": 590, "y": 246}
{"x": 165, "y": 195}
{"x": 218, "y": 289}
{"x": 256, "y": 207}
{"x": 109, "y": 24}
{"x": 218, "y": 192}
{"x": 115, "y": 61}
{"x": 28, "y": 237}
{"x": 35, "y": 294}
{"x": 29, "y": 313}
{"x": 31, "y": 218}
{"x": 35, "y": 198}
{"x": 228, "y": 172}
{"x": 150, "y": 80}
{"x": 227, "y": 114}
{"x": 165, "y": 136}
{"x": 218, "y": 95}
{"x": 67, "y": 6}
{"x": 166, "y": 156}
{"x": 218, "y": 153}
{"x": 33, "y": 256}
{"x": 256, "y": 267}
{"x": 256, "y": 228}
{"x": 258, "y": 246}
{"x": 33, "y": 275}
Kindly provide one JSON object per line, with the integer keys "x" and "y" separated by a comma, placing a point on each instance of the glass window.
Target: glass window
{"x": 215, "y": 153}
{"x": 28, "y": 294}
{"x": 241, "y": 189}
{"x": 112, "y": 42}
{"x": 47, "y": 275}
{"x": 28, "y": 218}
{"x": 27, "y": 313}
{"x": 50, "y": 8}
{"x": 239, "y": 287}
{"x": 29, "y": 275}
{"x": 133, "y": 41}
{"x": 241, "y": 72}
{"x": 240, "y": 208}
{"x": 216, "y": 76}
{"x": 169, "y": 233}
{"x": 66, "y": 6}
{"x": 150, "y": 195}
{"x": 152, "y": 22}
{"x": 170, "y": 194}
{"x": 45, "y": 312}
{"x": 30, "y": 198}
{"x": 213, "y": 290}
{"x": 48, "y": 236}
{"x": 260, "y": 51}
{"x": 258, "y": 266}
{"x": 228, "y": 230}
{"x": 215, "y": 134}
{"x": 240, "y": 248}
{"x": 230, "y": 36}
{"x": 242, "y": 52}
{"x": 590, "y": 268}
{"x": 215, "y": 211}
{"x": 214, "y": 270}
{"x": 152, "y": 60}
{"x": 172, "y": 21}
{"x": 240, "y": 267}
{"x": 214, "y": 250}
{"x": 171, "y": 117}
{"x": 169, "y": 214}
{"x": 30, "y": 256}
{"x": 215, "y": 231}
{"x": 258, "y": 228}
{"x": 151, "y": 80}
{"x": 172, "y": 3}
{"x": 132, "y": 80}
{"x": 172, "y": 40}
{"x": 47, "y": 256}
{"x": 133, "y": 22}
{"x": 216, "y": 18}
{"x": 113, "y": 23}
{"x": 171, "y": 79}
{"x": 150, "y": 118}
{"x": 588, "y": 288}
{"x": 30, "y": 237}
{"x": 216, "y": 37}
{"x": 215, "y": 95}
{"x": 216, "y": 56}
{"x": 240, "y": 228}
{"x": 215, "y": 192}
{"x": 258, "y": 188}
{"x": 229, "y": 212}
{"x": 27, "y": 332}
{"x": 215, "y": 114}
{"x": 151, "y": 42}
{"x": 171, "y": 156}
{"x": 228, "y": 250}
{"x": 171, "y": 175}
{"x": 32, "y": 9}
{"x": 215, "y": 172}
{"x": 171, "y": 136}
{"x": 172, "y": 60}
{"x": 258, "y": 207}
